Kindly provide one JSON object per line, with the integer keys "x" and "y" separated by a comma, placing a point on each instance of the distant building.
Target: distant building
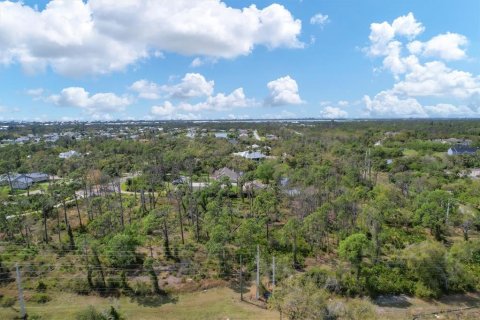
{"x": 7, "y": 141}
{"x": 22, "y": 140}
{"x": 271, "y": 137}
{"x": 24, "y": 180}
{"x": 474, "y": 173}
{"x": 38, "y": 176}
{"x": 51, "y": 138}
{"x": 232, "y": 175}
{"x": 253, "y": 185}
{"x": 465, "y": 142}
{"x": 180, "y": 180}
{"x": 256, "y": 156}
{"x": 68, "y": 154}
{"x": 191, "y": 133}
{"x": 378, "y": 143}
{"x": 243, "y": 135}
{"x": 287, "y": 188}
{"x": 233, "y": 141}
{"x": 462, "y": 150}
{"x": 221, "y": 135}
{"x": 392, "y": 133}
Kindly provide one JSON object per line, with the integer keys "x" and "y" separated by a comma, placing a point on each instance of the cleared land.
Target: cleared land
{"x": 217, "y": 303}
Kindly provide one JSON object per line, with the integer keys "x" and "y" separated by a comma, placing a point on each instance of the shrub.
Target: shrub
{"x": 353, "y": 309}
{"x": 121, "y": 251}
{"x": 41, "y": 286}
{"x": 4, "y": 273}
{"x": 426, "y": 264}
{"x": 462, "y": 260}
{"x": 299, "y": 300}
{"x": 40, "y": 298}
{"x": 114, "y": 282}
{"x": 141, "y": 288}
{"x": 332, "y": 285}
{"x": 90, "y": 313}
{"x": 383, "y": 279}
{"x": 422, "y": 291}
{"x": 80, "y": 286}
{"x": 353, "y": 249}
{"x": 317, "y": 276}
{"x": 350, "y": 284}
{"x": 8, "y": 302}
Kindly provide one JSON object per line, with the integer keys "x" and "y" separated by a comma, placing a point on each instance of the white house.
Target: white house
{"x": 68, "y": 154}
{"x": 251, "y": 155}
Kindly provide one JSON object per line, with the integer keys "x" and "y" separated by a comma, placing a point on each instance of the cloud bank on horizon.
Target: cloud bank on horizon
{"x": 106, "y": 59}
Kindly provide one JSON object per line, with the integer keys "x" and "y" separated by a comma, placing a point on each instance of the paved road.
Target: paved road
{"x": 255, "y": 134}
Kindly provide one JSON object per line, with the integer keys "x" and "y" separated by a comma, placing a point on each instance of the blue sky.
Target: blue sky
{"x": 212, "y": 59}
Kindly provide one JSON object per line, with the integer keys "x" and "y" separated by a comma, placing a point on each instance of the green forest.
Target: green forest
{"x": 299, "y": 219}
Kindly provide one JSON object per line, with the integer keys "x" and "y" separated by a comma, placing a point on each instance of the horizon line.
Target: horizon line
{"x": 239, "y": 120}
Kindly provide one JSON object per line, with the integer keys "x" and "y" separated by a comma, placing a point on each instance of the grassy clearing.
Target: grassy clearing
{"x": 217, "y": 303}
{"x": 410, "y": 153}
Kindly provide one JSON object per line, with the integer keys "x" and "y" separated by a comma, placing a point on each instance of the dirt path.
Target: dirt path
{"x": 404, "y": 307}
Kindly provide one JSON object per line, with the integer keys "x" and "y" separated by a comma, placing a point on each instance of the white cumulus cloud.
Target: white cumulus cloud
{"x": 100, "y": 36}
{"x": 319, "y": 19}
{"x": 388, "y": 104}
{"x": 436, "y": 79}
{"x": 218, "y": 102}
{"x": 333, "y": 113}
{"x": 146, "y": 89}
{"x": 382, "y": 33}
{"x": 193, "y": 85}
{"x": 98, "y": 105}
{"x": 447, "y": 46}
{"x": 283, "y": 91}
{"x": 449, "y": 110}
{"x": 167, "y": 109}
{"x": 420, "y": 72}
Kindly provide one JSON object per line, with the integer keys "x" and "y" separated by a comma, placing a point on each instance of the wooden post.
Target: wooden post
{"x": 241, "y": 279}
{"x": 21, "y": 301}
{"x": 257, "y": 291}
{"x": 273, "y": 271}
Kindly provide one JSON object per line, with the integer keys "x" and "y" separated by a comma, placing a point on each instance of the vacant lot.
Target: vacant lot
{"x": 217, "y": 303}
{"x": 403, "y": 307}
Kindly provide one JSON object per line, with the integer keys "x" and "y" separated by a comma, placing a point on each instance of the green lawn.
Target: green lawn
{"x": 410, "y": 153}
{"x": 217, "y": 303}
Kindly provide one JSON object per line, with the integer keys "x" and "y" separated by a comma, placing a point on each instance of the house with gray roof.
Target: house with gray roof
{"x": 232, "y": 175}
{"x": 462, "y": 150}
{"x": 23, "y": 181}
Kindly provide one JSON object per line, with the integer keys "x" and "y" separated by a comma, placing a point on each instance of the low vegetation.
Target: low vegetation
{"x": 349, "y": 212}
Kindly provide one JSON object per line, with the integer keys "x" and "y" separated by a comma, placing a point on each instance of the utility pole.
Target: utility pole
{"x": 273, "y": 272}
{"x": 121, "y": 202}
{"x": 85, "y": 255}
{"x": 241, "y": 279}
{"x": 448, "y": 213}
{"x": 21, "y": 301}
{"x": 257, "y": 291}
